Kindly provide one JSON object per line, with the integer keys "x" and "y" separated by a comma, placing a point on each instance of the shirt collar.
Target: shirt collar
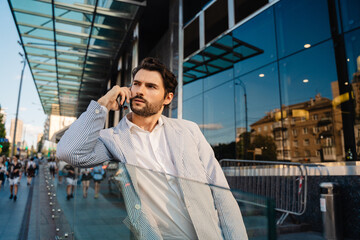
{"x": 133, "y": 127}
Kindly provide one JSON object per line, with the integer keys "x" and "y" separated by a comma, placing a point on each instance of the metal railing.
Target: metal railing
{"x": 284, "y": 182}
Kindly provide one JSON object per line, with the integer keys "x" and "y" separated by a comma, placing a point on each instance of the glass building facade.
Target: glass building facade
{"x": 298, "y": 99}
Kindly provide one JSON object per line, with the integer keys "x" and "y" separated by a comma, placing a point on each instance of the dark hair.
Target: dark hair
{"x": 153, "y": 64}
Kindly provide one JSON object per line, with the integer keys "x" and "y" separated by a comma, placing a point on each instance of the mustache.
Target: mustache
{"x": 138, "y": 97}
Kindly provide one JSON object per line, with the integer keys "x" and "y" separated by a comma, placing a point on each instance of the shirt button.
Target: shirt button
{"x": 137, "y": 206}
{"x": 97, "y": 111}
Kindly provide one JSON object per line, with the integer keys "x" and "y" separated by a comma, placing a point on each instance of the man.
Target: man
{"x": 181, "y": 203}
{"x": 14, "y": 176}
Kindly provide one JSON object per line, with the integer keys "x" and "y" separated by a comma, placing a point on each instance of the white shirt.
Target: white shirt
{"x": 160, "y": 192}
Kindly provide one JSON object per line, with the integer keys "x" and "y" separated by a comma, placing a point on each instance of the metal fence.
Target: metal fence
{"x": 284, "y": 182}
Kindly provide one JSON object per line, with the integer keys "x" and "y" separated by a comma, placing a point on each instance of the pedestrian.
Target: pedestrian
{"x": 97, "y": 174}
{"x": 2, "y": 170}
{"x": 85, "y": 180}
{"x": 30, "y": 170}
{"x": 183, "y": 205}
{"x": 14, "y": 172}
{"x": 61, "y": 174}
{"x": 70, "y": 181}
{"x": 52, "y": 167}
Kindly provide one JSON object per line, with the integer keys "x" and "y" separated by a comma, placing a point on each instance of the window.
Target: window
{"x": 303, "y": 119}
{"x": 286, "y": 153}
{"x": 307, "y": 153}
{"x": 296, "y": 154}
{"x": 265, "y": 128}
{"x": 191, "y": 38}
{"x": 305, "y": 130}
{"x": 318, "y": 153}
{"x": 329, "y": 142}
{"x": 293, "y": 30}
{"x": 259, "y": 129}
{"x": 295, "y": 143}
{"x": 293, "y": 120}
{"x": 315, "y": 130}
{"x": 294, "y": 132}
{"x": 216, "y": 20}
{"x": 306, "y": 142}
{"x": 247, "y": 7}
{"x": 318, "y": 141}
{"x": 315, "y": 117}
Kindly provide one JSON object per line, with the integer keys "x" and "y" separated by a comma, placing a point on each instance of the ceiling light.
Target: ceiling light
{"x": 261, "y": 75}
{"x": 305, "y": 80}
{"x": 346, "y": 83}
{"x": 307, "y": 45}
{"x": 348, "y": 59}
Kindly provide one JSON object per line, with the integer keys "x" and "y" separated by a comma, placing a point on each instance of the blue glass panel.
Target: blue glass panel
{"x": 299, "y": 23}
{"x": 217, "y": 79}
{"x": 262, "y": 93}
{"x": 193, "y": 110}
{"x": 352, "y": 42}
{"x": 317, "y": 65}
{"x": 221, "y": 63}
{"x": 192, "y": 89}
{"x": 214, "y": 50}
{"x": 219, "y": 116}
{"x": 350, "y": 10}
{"x": 253, "y": 32}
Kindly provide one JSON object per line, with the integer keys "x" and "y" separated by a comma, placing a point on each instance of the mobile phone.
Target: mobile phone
{"x": 121, "y": 106}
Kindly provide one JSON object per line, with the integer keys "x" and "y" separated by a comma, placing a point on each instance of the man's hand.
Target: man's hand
{"x": 109, "y": 99}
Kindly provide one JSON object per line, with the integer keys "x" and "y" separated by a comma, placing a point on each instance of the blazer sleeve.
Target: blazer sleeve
{"x": 230, "y": 218}
{"x": 81, "y": 144}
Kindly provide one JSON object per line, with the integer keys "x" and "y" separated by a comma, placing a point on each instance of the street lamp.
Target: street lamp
{"x": 18, "y": 103}
{"x": 242, "y": 84}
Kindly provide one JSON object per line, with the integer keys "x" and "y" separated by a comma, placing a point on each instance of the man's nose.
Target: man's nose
{"x": 139, "y": 91}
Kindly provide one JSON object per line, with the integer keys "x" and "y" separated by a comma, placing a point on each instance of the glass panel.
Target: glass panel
{"x": 309, "y": 88}
{"x": 219, "y": 117}
{"x": 192, "y": 89}
{"x": 352, "y": 41}
{"x": 108, "y": 212}
{"x": 193, "y": 110}
{"x": 244, "y": 8}
{"x": 256, "y": 93}
{"x": 350, "y": 14}
{"x": 251, "y": 32}
{"x": 218, "y": 79}
{"x": 216, "y": 20}
{"x": 191, "y": 38}
{"x": 294, "y": 31}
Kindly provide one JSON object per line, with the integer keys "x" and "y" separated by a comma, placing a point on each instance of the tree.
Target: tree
{"x": 4, "y": 145}
{"x": 267, "y": 145}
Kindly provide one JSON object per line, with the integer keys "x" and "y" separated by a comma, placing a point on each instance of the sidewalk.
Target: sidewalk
{"x": 12, "y": 213}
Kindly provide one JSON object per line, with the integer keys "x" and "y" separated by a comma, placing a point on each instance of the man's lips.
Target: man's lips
{"x": 138, "y": 100}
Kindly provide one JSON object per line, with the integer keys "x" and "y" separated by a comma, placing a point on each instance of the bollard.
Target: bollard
{"x": 331, "y": 212}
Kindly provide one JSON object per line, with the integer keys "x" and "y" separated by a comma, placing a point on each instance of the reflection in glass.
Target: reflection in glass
{"x": 260, "y": 90}
{"x": 299, "y": 23}
{"x": 253, "y": 32}
{"x": 219, "y": 127}
{"x": 311, "y": 110}
{"x": 193, "y": 110}
{"x": 352, "y": 41}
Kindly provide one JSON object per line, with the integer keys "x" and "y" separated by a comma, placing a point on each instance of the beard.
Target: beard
{"x": 147, "y": 110}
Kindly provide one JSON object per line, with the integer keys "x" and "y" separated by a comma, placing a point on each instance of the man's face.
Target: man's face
{"x": 148, "y": 93}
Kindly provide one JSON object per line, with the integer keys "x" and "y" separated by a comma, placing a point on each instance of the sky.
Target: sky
{"x": 30, "y": 109}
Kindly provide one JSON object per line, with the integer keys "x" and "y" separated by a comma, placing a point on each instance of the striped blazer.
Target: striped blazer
{"x": 204, "y": 188}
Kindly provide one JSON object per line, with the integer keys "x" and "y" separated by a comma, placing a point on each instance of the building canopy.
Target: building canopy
{"x": 71, "y": 46}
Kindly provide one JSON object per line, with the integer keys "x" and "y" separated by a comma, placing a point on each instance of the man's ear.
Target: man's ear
{"x": 169, "y": 97}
